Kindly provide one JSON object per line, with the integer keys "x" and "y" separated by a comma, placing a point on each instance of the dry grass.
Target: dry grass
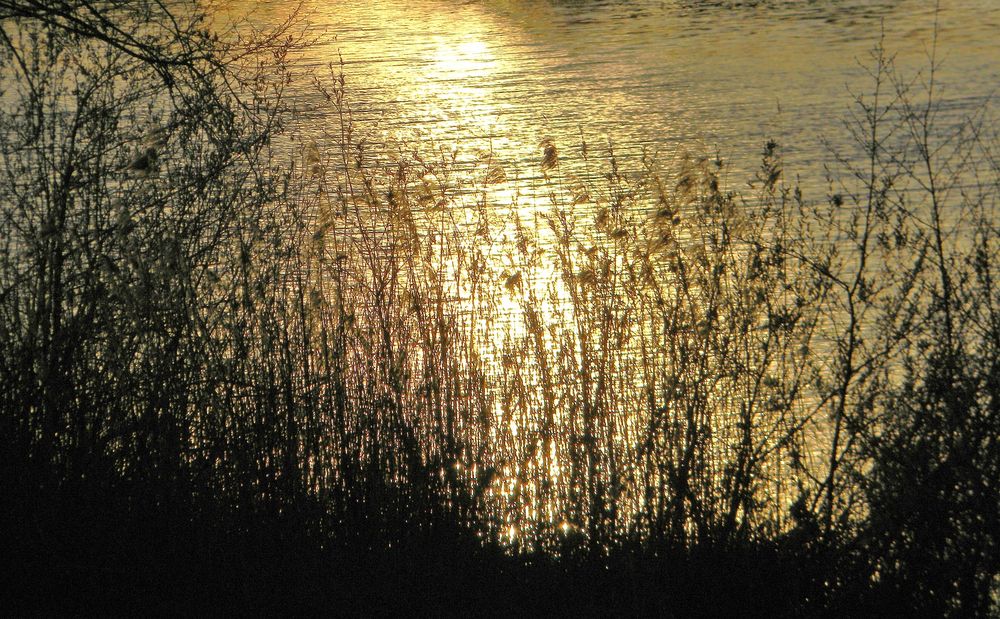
{"x": 359, "y": 353}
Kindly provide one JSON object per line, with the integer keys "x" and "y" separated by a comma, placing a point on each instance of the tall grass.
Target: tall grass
{"x": 213, "y": 358}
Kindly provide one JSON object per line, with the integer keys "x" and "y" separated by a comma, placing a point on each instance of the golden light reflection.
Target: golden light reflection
{"x": 458, "y": 86}
{"x": 512, "y": 533}
{"x": 466, "y": 60}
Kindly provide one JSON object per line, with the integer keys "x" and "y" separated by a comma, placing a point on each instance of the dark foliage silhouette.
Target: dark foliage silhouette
{"x": 249, "y": 371}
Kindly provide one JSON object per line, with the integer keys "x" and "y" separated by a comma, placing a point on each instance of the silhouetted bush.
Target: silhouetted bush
{"x": 247, "y": 369}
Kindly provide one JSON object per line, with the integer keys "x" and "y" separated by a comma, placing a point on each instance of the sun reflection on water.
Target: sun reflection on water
{"x": 462, "y": 89}
{"x": 466, "y": 60}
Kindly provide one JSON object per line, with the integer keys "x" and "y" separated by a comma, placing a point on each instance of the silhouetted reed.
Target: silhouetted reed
{"x": 366, "y": 367}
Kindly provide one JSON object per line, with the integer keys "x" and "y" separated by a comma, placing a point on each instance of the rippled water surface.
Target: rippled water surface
{"x": 671, "y": 76}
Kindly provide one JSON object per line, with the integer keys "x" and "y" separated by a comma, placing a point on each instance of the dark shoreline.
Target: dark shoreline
{"x": 228, "y": 384}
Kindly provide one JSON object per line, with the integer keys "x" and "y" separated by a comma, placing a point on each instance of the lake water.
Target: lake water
{"x": 672, "y": 76}
{"x": 668, "y": 77}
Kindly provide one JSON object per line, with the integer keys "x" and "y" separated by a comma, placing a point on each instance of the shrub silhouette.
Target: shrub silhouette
{"x": 350, "y": 381}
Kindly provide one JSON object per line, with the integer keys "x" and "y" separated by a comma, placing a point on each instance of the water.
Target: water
{"x": 674, "y": 76}
{"x": 668, "y": 77}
